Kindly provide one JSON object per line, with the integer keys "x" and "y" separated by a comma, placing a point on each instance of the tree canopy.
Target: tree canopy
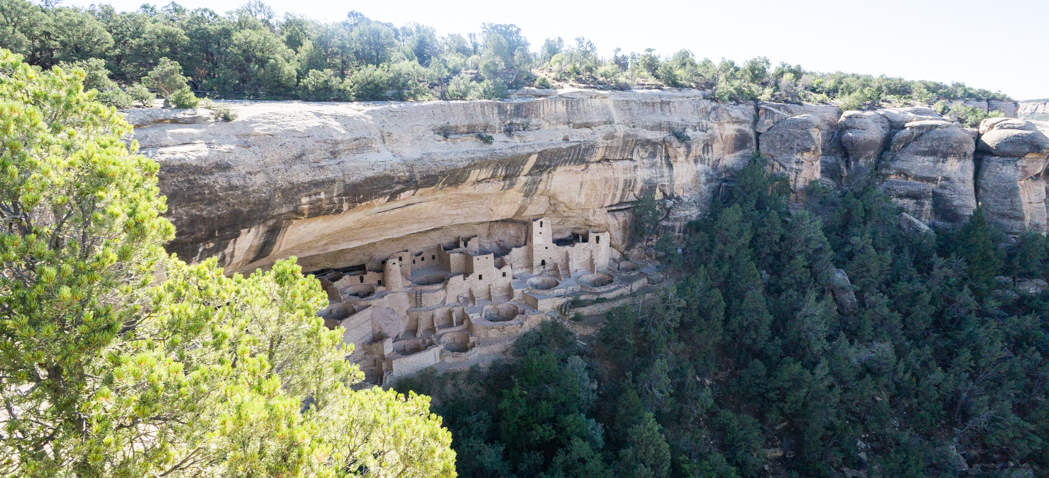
{"x": 118, "y": 360}
{"x": 251, "y": 52}
{"x": 818, "y": 339}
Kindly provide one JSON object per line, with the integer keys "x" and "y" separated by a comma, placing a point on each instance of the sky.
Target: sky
{"x": 1001, "y": 45}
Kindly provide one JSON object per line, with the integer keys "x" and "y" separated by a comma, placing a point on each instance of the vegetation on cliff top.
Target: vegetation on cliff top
{"x": 118, "y": 360}
{"x": 764, "y": 361}
{"x": 252, "y": 53}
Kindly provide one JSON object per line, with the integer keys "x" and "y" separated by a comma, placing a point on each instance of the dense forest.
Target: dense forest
{"x": 820, "y": 339}
{"x": 254, "y": 54}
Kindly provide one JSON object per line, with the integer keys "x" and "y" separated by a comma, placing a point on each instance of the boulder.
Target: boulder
{"x": 844, "y": 295}
{"x": 899, "y": 117}
{"x": 911, "y": 224}
{"x": 864, "y": 136}
{"x": 1012, "y": 137}
{"x": 1011, "y": 181}
{"x": 929, "y": 169}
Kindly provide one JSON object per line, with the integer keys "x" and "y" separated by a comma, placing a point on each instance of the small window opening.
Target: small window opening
{"x": 413, "y": 261}
{"x": 480, "y": 277}
{"x": 542, "y": 263}
{"x": 540, "y": 225}
{"x": 380, "y": 281}
{"x": 599, "y": 239}
{"x": 362, "y": 279}
{"x": 504, "y": 274}
{"x": 433, "y": 257}
{"x": 424, "y": 259}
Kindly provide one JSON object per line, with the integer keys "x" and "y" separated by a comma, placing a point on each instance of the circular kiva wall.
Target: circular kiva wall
{"x": 432, "y": 279}
{"x": 361, "y": 291}
{"x": 501, "y": 312}
{"x": 596, "y": 280}
{"x": 543, "y": 283}
{"x": 456, "y": 341}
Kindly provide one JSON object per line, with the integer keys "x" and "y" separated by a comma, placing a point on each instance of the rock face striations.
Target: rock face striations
{"x": 342, "y": 184}
{"x": 339, "y": 184}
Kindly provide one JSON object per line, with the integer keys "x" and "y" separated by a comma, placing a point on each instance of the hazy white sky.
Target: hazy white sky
{"x": 994, "y": 44}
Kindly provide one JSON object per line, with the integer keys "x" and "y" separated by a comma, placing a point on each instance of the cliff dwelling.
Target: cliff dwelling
{"x": 457, "y": 305}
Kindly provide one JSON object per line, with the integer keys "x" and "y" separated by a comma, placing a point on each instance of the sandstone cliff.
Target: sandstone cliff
{"x": 1033, "y": 110}
{"x": 345, "y": 183}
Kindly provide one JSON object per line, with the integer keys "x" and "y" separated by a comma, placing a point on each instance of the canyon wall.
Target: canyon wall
{"x": 347, "y": 183}
{"x": 1033, "y": 110}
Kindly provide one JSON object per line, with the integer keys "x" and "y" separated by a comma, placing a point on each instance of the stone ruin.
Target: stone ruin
{"x": 457, "y": 305}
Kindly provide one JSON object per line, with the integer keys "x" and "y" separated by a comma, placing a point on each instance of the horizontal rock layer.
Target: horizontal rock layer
{"x": 346, "y": 183}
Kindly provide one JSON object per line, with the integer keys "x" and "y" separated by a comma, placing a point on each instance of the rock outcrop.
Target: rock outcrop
{"x": 1011, "y": 184}
{"x": 344, "y": 183}
{"x": 929, "y": 169}
{"x": 348, "y": 183}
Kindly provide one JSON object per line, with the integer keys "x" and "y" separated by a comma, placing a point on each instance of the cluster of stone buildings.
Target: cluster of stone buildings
{"x": 458, "y": 304}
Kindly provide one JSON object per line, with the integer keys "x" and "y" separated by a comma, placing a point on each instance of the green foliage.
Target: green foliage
{"x": 224, "y": 113}
{"x": 485, "y": 138}
{"x": 166, "y": 78}
{"x": 117, "y": 360}
{"x": 321, "y": 85}
{"x": 253, "y": 53}
{"x": 647, "y": 454}
{"x": 141, "y": 95}
{"x": 966, "y": 115}
{"x": 753, "y": 365}
{"x": 974, "y": 245}
{"x": 645, "y": 217}
{"x": 184, "y": 98}
{"x": 96, "y": 75}
{"x": 116, "y": 98}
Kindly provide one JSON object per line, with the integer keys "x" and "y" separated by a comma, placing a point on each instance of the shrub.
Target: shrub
{"x": 646, "y": 215}
{"x": 96, "y": 76}
{"x": 369, "y": 83}
{"x": 184, "y": 98}
{"x": 492, "y": 90}
{"x": 543, "y": 82}
{"x": 116, "y": 98}
{"x": 223, "y": 113}
{"x": 141, "y": 95}
{"x": 321, "y": 85}
{"x": 166, "y": 77}
{"x": 485, "y": 138}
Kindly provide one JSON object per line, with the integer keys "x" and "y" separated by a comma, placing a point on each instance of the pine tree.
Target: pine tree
{"x": 107, "y": 370}
{"x": 974, "y": 245}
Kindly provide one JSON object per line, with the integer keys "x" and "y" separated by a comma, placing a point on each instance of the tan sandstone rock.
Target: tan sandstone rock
{"x": 319, "y": 181}
{"x": 929, "y": 169}
{"x": 1011, "y": 183}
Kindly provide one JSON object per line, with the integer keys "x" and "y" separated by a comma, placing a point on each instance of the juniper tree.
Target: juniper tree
{"x": 108, "y": 368}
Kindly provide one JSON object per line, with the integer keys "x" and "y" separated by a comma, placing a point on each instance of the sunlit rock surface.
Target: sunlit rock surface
{"x": 338, "y": 184}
